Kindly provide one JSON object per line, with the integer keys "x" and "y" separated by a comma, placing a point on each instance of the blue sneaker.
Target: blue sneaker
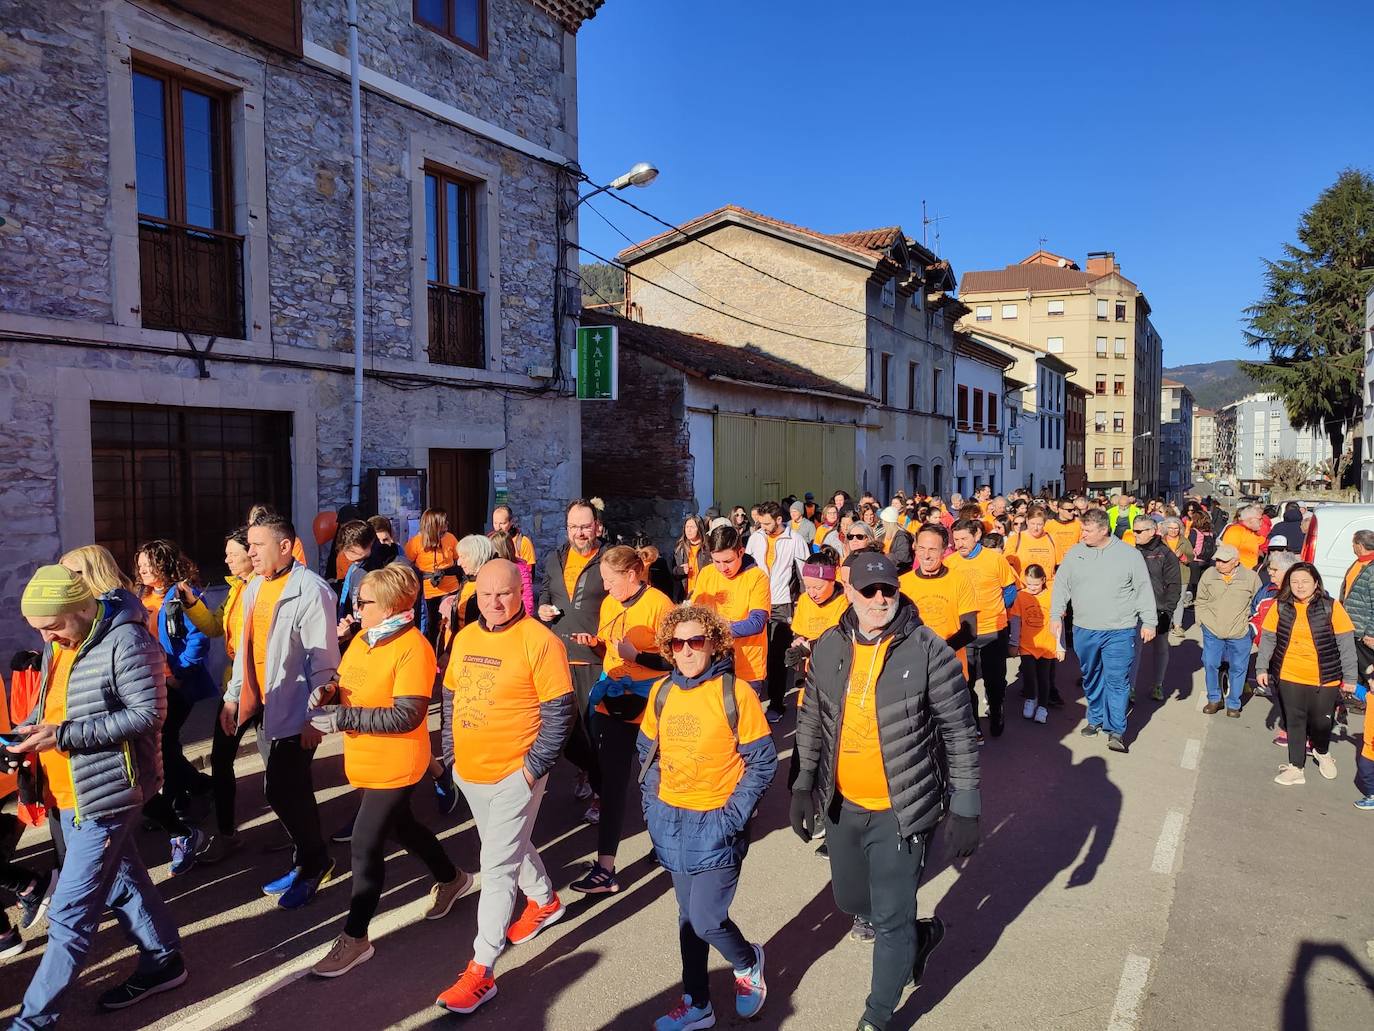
{"x": 1366, "y": 804}
{"x": 282, "y": 883}
{"x": 750, "y": 990}
{"x": 184, "y": 851}
{"x": 686, "y": 1017}
{"x": 303, "y": 889}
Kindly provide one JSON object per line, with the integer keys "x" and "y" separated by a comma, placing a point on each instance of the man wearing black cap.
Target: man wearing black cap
{"x": 886, "y": 728}
{"x": 809, "y": 506}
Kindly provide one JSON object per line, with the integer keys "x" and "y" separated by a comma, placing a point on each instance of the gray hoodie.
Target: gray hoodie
{"x": 1109, "y": 587}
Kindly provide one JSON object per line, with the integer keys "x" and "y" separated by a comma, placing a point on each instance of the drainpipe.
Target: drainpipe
{"x": 356, "y": 103}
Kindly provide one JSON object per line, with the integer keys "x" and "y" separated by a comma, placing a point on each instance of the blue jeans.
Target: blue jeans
{"x": 102, "y": 870}
{"x": 1107, "y": 658}
{"x": 1235, "y": 652}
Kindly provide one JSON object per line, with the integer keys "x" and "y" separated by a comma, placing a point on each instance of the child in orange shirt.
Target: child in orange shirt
{"x": 1030, "y": 637}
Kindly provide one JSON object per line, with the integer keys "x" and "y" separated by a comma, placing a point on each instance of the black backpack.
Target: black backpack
{"x": 727, "y": 684}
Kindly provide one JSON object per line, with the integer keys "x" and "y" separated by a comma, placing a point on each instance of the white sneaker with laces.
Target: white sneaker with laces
{"x": 1326, "y": 765}
{"x": 1028, "y": 710}
{"x": 1041, "y": 714}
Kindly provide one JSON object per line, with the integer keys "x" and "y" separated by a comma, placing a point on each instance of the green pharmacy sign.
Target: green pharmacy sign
{"x": 598, "y": 352}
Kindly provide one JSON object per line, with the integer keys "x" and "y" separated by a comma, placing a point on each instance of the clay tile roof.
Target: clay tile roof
{"x": 1035, "y": 278}
{"x": 871, "y": 239}
{"x": 733, "y": 212}
{"x": 1171, "y": 382}
{"x": 703, "y": 357}
{"x": 569, "y": 13}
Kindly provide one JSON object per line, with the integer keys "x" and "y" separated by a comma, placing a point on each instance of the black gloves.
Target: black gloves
{"x": 803, "y": 814}
{"x": 795, "y": 657}
{"x": 963, "y": 835}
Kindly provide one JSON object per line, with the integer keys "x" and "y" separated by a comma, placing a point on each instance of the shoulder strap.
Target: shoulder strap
{"x": 727, "y": 687}
{"x": 660, "y": 699}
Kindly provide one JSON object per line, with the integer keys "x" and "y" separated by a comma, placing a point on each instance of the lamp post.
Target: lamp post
{"x": 641, "y": 174}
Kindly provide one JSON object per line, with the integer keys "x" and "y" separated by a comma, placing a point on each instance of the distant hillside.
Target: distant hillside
{"x": 1214, "y": 384}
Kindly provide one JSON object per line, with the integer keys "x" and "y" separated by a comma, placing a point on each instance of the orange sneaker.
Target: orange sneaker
{"x": 473, "y": 987}
{"x": 534, "y": 919}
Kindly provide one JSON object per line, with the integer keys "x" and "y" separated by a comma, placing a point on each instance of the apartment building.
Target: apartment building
{"x": 1255, "y": 430}
{"x": 176, "y": 267}
{"x": 1098, "y": 321}
{"x": 878, "y": 310}
{"x": 1075, "y": 438}
{"x": 1367, "y": 466}
{"x": 984, "y": 453}
{"x": 1204, "y": 440}
{"x": 1175, "y": 439}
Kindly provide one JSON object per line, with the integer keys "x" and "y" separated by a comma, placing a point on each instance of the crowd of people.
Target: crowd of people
{"x": 657, "y": 676}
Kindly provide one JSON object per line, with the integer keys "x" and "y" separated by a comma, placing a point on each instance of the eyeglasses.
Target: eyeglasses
{"x": 697, "y": 643}
{"x": 886, "y": 590}
{"x": 856, "y": 537}
{"x": 363, "y": 603}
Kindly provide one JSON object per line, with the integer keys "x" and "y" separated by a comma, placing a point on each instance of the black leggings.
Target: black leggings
{"x": 385, "y": 812}
{"x": 579, "y": 749}
{"x": 1038, "y": 674}
{"x": 1308, "y": 713}
{"x": 224, "y": 749}
{"x": 615, "y": 753}
{"x": 178, "y": 775}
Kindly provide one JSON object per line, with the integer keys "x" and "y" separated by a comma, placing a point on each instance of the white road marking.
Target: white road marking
{"x": 1167, "y": 845}
{"x": 1192, "y": 749}
{"x": 1201, "y": 700}
{"x": 1134, "y": 975}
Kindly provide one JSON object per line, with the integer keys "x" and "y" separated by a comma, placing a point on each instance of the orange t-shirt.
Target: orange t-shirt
{"x": 693, "y": 567}
{"x": 573, "y": 566}
{"x": 370, "y": 677}
{"x": 639, "y": 625}
{"x": 733, "y": 600}
{"x": 427, "y": 560}
{"x": 152, "y": 603}
{"x": 770, "y": 548}
{"x": 699, "y": 761}
{"x": 1034, "y": 612}
{"x": 1065, "y": 535}
{"x": 264, "y": 607}
{"x": 1246, "y": 541}
{"x": 1300, "y": 665}
{"x": 989, "y": 573}
{"x": 298, "y": 552}
{"x": 1023, "y": 550}
{"x": 823, "y": 531}
{"x": 940, "y": 601}
{"x": 341, "y": 565}
{"x": 498, "y": 680}
{"x": 524, "y": 550}
{"x": 859, "y": 773}
{"x": 57, "y": 767}
{"x": 811, "y": 620}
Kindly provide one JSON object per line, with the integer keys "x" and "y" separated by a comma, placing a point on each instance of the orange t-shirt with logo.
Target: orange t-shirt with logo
{"x": 1065, "y": 535}
{"x": 989, "y": 573}
{"x": 1034, "y": 612}
{"x": 427, "y": 560}
{"x": 811, "y": 620}
{"x": 573, "y": 566}
{"x": 639, "y": 625}
{"x": 1300, "y": 665}
{"x": 940, "y": 601}
{"x": 733, "y": 600}
{"x": 1246, "y": 541}
{"x": 1023, "y": 550}
{"x": 699, "y": 761}
{"x": 498, "y": 681}
{"x": 370, "y": 677}
{"x": 57, "y": 766}
{"x": 859, "y": 773}
{"x": 264, "y": 607}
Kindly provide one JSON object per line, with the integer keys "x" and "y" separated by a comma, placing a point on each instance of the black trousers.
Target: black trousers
{"x": 385, "y": 813}
{"x": 874, "y": 874}
{"x": 290, "y": 789}
{"x": 615, "y": 759}
{"x": 1309, "y": 713}
{"x": 1038, "y": 675}
{"x": 224, "y": 748}
{"x": 779, "y": 640}
{"x": 987, "y": 658}
{"x": 432, "y": 620}
{"x": 579, "y": 749}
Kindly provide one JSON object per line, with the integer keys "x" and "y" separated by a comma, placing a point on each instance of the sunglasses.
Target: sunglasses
{"x": 856, "y": 537}
{"x": 363, "y": 603}
{"x": 697, "y": 643}
{"x": 886, "y": 590}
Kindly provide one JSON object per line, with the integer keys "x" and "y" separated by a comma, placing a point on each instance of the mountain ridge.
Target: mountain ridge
{"x": 1214, "y": 384}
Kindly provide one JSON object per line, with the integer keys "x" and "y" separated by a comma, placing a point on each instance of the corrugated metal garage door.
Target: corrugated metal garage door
{"x": 761, "y": 459}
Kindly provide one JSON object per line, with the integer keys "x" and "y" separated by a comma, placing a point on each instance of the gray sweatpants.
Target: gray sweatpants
{"x": 505, "y": 813}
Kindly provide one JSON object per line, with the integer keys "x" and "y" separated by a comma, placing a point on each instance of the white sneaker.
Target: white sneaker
{"x": 1326, "y": 765}
{"x": 1290, "y": 775}
{"x": 1041, "y": 714}
{"x": 1028, "y": 710}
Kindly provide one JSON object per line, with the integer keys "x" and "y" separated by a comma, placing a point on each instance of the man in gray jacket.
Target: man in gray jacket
{"x": 1108, "y": 584}
{"x": 95, "y": 731}
{"x": 289, "y": 648}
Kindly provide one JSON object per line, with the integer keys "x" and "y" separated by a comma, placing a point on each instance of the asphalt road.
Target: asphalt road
{"x": 1175, "y": 887}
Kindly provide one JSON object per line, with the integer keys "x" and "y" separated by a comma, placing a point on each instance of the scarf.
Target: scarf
{"x": 389, "y": 626}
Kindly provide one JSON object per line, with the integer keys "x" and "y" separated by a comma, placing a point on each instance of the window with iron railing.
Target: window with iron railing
{"x": 190, "y": 262}
{"x": 457, "y": 325}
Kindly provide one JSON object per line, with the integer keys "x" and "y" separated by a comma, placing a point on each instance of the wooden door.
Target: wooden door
{"x": 458, "y": 483}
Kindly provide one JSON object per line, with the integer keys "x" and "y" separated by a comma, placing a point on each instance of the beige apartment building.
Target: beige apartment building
{"x": 1204, "y": 440}
{"x": 873, "y": 311}
{"x": 1098, "y": 321}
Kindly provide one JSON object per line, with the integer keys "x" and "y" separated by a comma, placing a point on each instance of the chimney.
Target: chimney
{"x": 1101, "y": 263}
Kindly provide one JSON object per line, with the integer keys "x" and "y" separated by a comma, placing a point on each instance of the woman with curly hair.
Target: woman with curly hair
{"x": 706, "y": 758}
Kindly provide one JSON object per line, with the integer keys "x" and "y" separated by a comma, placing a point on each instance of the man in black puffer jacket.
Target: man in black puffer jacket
{"x": 1166, "y": 579}
{"x": 887, "y": 731}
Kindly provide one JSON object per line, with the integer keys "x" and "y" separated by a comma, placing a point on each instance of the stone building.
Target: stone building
{"x": 176, "y": 282}
{"x": 1098, "y": 321}
{"x": 981, "y": 417}
{"x": 701, "y": 424}
{"x": 872, "y": 310}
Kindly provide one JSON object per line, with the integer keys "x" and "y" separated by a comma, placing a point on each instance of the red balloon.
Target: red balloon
{"x": 326, "y": 523}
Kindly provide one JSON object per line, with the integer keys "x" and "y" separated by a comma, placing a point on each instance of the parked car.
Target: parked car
{"x": 1327, "y": 544}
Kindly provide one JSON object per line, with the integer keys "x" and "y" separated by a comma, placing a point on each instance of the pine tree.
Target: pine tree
{"x": 1311, "y": 319}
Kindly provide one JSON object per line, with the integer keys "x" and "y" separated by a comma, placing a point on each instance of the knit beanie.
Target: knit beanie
{"x": 55, "y": 591}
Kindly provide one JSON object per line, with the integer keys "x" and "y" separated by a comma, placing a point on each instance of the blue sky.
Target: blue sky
{"x": 1186, "y": 137}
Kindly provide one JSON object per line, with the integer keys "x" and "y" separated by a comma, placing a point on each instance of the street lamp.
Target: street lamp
{"x": 641, "y": 174}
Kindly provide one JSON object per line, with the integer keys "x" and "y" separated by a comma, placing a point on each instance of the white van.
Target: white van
{"x": 1327, "y": 545}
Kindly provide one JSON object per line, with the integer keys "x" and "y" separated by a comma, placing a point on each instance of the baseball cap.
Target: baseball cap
{"x": 1225, "y": 553}
{"x": 1279, "y": 540}
{"x": 870, "y": 569}
{"x": 809, "y": 496}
